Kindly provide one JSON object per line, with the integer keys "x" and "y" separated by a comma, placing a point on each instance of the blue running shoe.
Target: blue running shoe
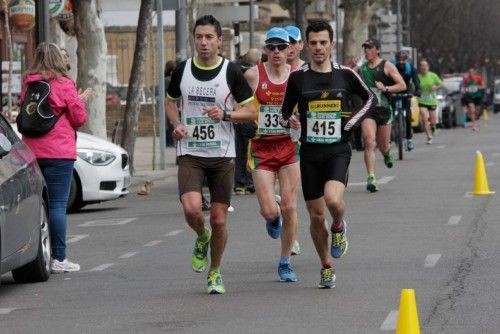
{"x": 286, "y": 273}
{"x": 327, "y": 278}
{"x": 274, "y": 228}
{"x": 339, "y": 243}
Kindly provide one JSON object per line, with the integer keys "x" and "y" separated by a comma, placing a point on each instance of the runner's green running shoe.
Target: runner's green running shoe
{"x": 339, "y": 243}
{"x": 327, "y": 278}
{"x": 214, "y": 283}
{"x": 388, "y": 159}
{"x": 199, "y": 258}
{"x": 296, "y": 248}
{"x": 371, "y": 183}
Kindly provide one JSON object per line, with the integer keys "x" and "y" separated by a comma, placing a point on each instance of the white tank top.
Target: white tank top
{"x": 206, "y": 137}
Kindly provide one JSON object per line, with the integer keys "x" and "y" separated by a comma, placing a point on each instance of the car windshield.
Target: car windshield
{"x": 452, "y": 84}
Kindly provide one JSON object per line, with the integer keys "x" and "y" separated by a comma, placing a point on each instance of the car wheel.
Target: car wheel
{"x": 38, "y": 270}
{"x": 75, "y": 195}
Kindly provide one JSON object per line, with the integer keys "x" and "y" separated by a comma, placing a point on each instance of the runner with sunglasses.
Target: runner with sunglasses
{"x": 293, "y": 59}
{"x": 272, "y": 154}
{"x": 296, "y": 46}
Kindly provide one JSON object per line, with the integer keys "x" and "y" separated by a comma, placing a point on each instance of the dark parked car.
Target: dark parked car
{"x": 24, "y": 227}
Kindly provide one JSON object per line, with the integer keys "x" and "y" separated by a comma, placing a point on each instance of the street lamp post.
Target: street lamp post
{"x": 250, "y": 25}
{"x": 42, "y": 21}
{"x": 398, "y": 27}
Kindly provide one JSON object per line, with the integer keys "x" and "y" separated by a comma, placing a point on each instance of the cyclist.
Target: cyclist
{"x": 323, "y": 93}
{"x": 427, "y": 102}
{"x": 207, "y": 84}
{"x": 383, "y": 78}
{"x": 272, "y": 153}
{"x": 410, "y": 76}
{"x": 472, "y": 95}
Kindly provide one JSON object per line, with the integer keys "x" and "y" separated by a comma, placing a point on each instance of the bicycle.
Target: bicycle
{"x": 399, "y": 125}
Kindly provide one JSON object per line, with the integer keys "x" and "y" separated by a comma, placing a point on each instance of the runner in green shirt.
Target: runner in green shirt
{"x": 427, "y": 102}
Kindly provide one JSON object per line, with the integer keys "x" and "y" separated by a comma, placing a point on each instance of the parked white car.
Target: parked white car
{"x": 496, "y": 96}
{"x": 101, "y": 171}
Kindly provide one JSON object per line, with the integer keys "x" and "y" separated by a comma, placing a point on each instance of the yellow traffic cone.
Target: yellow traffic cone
{"x": 480, "y": 179}
{"x": 485, "y": 114}
{"x": 408, "y": 317}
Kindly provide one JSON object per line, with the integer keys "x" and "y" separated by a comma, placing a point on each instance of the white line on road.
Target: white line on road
{"x": 128, "y": 255}
{"x": 489, "y": 164}
{"x": 454, "y": 220}
{"x": 441, "y": 146}
{"x": 390, "y": 322}
{"x": 108, "y": 222}
{"x": 469, "y": 195}
{"x": 431, "y": 260}
{"x": 74, "y": 238}
{"x": 6, "y": 310}
{"x": 102, "y": 267}
{"x": 152, "y": 243}
{"x": 383, "y": 180}
{"x": 174, "y": 232}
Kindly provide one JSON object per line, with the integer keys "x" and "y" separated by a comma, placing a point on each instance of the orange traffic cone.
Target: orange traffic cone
{"x": 408, "y": 317}
{"x": 480, "y": 179}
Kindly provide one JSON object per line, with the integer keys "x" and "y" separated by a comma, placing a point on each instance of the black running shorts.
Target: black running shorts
{"x": 381, "y": 115}
{"x": 317, "y": 169}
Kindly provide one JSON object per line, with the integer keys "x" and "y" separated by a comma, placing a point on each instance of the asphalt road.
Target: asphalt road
{"x": 421, "y": 231}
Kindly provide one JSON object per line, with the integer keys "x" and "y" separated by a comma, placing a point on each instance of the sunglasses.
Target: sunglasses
{"x": 272, "y": 47}
{"x": 293, "y": 41}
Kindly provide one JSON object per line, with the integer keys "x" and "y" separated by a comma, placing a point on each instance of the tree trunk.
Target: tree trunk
{"x": 132, "y": 108}
{"x": 357, "y": 15}
{"x": 91, "y": 52}
{"x": 8, "y": 37}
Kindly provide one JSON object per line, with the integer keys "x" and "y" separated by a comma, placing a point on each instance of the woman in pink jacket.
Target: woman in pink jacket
{"x": 56, "y": 150}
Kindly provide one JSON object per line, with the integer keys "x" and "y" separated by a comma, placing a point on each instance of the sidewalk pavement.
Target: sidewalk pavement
{"x": 145, "y": 170}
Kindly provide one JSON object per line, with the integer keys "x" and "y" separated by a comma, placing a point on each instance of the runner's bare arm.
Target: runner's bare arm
{"x": 180, "y": 130}
{"x": 399, "y": 82}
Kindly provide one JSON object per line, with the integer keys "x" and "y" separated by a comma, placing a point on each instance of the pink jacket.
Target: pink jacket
{"x": 60, "y": 142}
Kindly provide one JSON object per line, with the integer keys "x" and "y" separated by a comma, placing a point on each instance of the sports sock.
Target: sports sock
{"x": 327, "y": 265}
{"x": 274, "y": 222}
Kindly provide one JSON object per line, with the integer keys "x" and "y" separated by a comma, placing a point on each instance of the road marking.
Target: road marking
{"x": 496, "y": 154}
{"x": 431, "y": 260}
{"x": 454, "y": 220}
{"x": 74, "y": 238}
{"x": 489, "y": 164}
{"x": 108, "y": 222}
{"x": 6, "y": 310}
{"x": 469, "y": 195}
{"x": 383, "y": 180}
{"x": 102, "y": 267}
{"x": 174, "y": 232}
{"x": 152, "y": 243}
{"x": 441, "y": 146}
{"x": 128, "y": 255}
{"x": 390, "y": 322}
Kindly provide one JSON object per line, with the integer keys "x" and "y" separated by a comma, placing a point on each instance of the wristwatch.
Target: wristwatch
{"x": 227, "y": 116}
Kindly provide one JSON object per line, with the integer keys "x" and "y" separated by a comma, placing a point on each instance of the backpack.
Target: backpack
{"x": 36, "y": 118}
{"x": 408, "y": 68}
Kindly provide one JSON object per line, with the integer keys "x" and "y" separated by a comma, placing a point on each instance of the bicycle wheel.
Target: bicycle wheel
{"x": 400, "y": 133}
